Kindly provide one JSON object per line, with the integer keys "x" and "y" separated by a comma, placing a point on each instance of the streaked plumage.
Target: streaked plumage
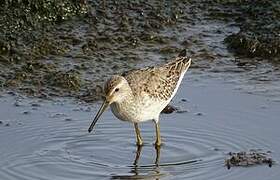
{"x": 158, "y": 82}
{"x": 140, "y": 95}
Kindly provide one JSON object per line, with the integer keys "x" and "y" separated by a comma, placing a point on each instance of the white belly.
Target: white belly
{"x": 142, "y": 109}
{"x": 139, "y": 111}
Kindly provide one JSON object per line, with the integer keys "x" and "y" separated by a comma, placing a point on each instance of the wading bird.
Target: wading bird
{"x": 140, "y": 95}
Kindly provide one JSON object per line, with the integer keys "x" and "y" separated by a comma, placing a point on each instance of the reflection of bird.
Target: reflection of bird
{"x": 140, "y": 95}
{"x": 138, "y": 154}
{"x": 151, "y": 171}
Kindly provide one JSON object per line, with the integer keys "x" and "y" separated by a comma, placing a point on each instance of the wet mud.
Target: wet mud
{"x": 84, "y": 50}
{"x": 259, "y": 26}
{"x": 68, "y": 49}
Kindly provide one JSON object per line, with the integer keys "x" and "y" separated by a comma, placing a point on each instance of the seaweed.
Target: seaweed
{"x": 246, "y": 159}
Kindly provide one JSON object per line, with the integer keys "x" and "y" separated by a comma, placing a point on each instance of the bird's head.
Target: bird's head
{"x": 116, "y": 89}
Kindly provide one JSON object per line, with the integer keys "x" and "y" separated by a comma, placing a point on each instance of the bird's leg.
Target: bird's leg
{"x": 139, "y": 141}
{"x": 158, "y": 139}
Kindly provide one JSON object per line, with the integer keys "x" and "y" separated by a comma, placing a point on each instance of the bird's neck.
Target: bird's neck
{"x": 129, "y": 98}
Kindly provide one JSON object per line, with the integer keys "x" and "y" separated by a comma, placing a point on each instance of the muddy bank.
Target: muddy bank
{"x": 27, "y": 37}
{"x": 259, "y": 26}
{"x": 51, "y": 56}
{"x": 24, "y": 23}
{"x": 72, "y": 53}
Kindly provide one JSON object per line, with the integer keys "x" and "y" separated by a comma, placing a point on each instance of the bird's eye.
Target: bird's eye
{"x": 117, "y": 89}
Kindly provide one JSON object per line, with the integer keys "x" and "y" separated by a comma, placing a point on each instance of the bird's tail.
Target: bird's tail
{"x": 181, "y": 62}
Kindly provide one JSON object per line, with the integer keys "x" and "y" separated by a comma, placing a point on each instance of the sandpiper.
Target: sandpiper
{"x": 140, "y": 95}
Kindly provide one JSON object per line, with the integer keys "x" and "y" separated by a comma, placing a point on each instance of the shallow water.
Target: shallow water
{"x": 49, "y": 140}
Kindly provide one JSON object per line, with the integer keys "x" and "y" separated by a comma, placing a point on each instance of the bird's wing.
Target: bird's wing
{"x": 157, "y": 82}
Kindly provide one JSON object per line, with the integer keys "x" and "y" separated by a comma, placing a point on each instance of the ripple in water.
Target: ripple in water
{"x": 52, "y": 148}
{"x": 187, "y": 153}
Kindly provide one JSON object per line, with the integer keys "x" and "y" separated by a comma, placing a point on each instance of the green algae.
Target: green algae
{"x": 68, "y": 48}
{"x": 67, "y": 80}
{"x": 258, "y": 22}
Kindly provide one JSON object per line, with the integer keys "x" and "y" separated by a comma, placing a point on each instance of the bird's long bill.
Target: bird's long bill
{"x": 101, "y": 110}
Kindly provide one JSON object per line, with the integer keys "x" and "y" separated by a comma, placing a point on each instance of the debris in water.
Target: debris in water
{"x": 26, "y": 112}
{"x": 169, "y": 109}
{"x": 17, "y": 103}
{"x": 68, "y": 119}
{"x": 182, "y": 111}
{"x": 35, "y": 105}
{"x": 57, "y": 115}
{"x": 251, "y": 158}
{"x": 184, "y": 100}
{"x": 199, "y": 114}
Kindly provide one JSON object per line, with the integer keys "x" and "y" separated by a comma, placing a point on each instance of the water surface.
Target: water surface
{"x": 49, "y": 139}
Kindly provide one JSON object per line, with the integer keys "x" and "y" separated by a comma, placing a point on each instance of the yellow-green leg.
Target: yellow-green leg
{"x": 158, "y": 139}
{"x": 139, "y": 141}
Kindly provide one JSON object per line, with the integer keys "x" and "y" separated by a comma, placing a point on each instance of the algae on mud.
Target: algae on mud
{"x": 259, "y": 26}
{"x": 53, "y": 40}
{"x": 23, "y": 23}
{"x": 96, "y": 39}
